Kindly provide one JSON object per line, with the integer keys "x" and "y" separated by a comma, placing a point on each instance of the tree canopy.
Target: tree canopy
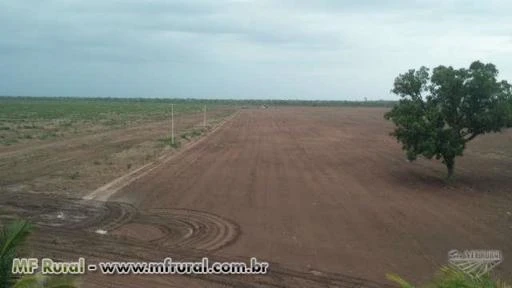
{"x": 440, "y": 112}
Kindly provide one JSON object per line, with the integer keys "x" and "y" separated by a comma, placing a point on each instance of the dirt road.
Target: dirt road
{"x": 324, "y": 194}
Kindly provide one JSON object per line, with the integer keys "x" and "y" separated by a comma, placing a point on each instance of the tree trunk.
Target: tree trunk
{"x": 450, "y": 165}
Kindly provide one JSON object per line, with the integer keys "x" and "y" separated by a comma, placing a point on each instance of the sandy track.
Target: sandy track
{"x": 325, "y": 195}
{"x": 104, "y": 192}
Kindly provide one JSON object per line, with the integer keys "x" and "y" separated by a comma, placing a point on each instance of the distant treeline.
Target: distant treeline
{"x": 245, "y": 102}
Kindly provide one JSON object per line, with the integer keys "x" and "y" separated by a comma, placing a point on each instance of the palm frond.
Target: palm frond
{"x": 398, "y": 280}
{"x": 13, "y": 235}
{"x": 64, "y": 281}
{"x": 44, "y": 281}
{"x": 449, "y": 277}
{"x": 30, "y": 281}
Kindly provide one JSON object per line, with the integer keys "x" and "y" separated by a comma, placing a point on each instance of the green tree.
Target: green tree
{"x": 11, "y": 237}
{"x": 439, "y": 113}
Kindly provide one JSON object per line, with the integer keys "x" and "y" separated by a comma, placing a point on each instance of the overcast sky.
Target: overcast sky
{"x": 282, "y": 49}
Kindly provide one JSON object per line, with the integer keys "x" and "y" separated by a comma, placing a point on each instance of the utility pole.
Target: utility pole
{"x": 172, "y": 124}
{"x": 204, "y": 116}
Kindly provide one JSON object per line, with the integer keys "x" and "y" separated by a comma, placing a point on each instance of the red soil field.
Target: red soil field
{"x": 324, "y": 194}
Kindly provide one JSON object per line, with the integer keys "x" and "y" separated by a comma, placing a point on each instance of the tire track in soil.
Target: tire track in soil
{"x": 188, "y": 235}
{"x": 180, "y": 228}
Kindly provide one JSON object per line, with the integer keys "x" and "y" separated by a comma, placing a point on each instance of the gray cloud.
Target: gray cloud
{"x": 241, "y": 48}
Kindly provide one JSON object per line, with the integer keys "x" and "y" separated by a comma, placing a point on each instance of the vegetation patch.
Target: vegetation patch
{"x": 169, "y": 142}
{"x": 72, "y": 116}
{"x": 187, "y": 135}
